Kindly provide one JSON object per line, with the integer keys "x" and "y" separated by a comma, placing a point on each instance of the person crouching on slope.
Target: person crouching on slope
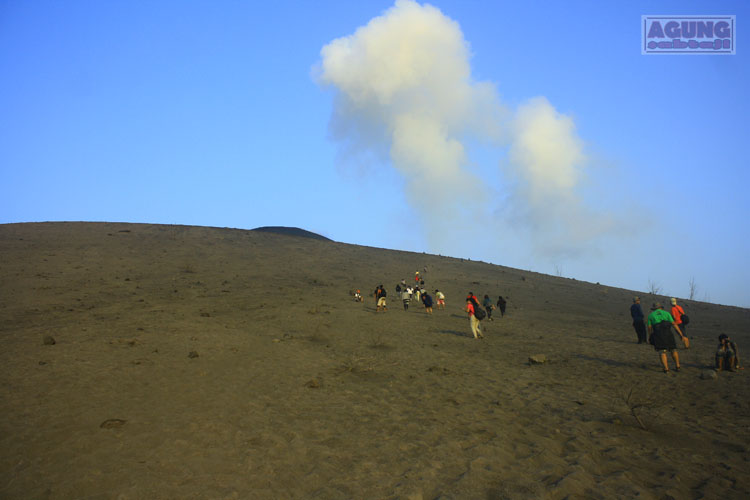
{"x": 727, "y": 354}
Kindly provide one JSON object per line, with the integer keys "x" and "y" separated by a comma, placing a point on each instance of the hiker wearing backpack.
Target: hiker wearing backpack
{"x": 680, "y": 318}
{"x": 381, "y": 299}
{"x": 474, "y": 310}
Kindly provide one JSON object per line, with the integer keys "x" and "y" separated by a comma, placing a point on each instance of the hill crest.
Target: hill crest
{"x": 291, "y": 231}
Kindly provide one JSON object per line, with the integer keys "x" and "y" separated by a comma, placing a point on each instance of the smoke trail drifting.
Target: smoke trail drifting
{"x": 546, "y": 157}
{"x": 403, "y": 85}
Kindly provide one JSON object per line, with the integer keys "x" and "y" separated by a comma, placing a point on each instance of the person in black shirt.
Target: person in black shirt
{"x": 501, "y": 305}
{"x": 637, "y": 314}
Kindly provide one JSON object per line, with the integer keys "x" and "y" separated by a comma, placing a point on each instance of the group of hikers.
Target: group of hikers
{"x": 418, "y": 292}
{"x": 659, "y": 326}
{"x": 476, "y": 314}
{"x": 407, "y": 292}
{"x": 656, "y": 329}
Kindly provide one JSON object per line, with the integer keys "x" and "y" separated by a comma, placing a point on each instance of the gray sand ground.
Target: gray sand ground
{"x": 299, "y": 392}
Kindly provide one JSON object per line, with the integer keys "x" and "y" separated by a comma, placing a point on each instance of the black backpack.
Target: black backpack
{"x": 478, "y": 311}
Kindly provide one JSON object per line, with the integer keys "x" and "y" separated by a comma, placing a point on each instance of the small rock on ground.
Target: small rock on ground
{"x": 538, "y": 359}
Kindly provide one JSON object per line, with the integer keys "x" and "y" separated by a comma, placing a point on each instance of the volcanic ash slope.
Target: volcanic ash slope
{"x": 147, "y": 361}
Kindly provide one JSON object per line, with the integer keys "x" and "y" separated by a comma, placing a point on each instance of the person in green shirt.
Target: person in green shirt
{"x": 660, "y": 324}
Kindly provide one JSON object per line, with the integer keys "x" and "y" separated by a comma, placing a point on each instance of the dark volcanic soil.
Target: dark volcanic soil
{"x": 196, "y": 362}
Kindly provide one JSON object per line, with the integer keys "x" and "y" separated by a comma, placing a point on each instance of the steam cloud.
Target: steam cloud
{"x": 404, "y": 91}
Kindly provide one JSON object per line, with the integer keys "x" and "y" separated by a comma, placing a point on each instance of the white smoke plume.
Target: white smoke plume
{"x": 546, "y": 158}
{"x": 404, "y": 90}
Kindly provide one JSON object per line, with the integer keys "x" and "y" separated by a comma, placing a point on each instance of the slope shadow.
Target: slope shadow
{"x": 610, "y": 362}
{"x": 640, "y": 365}
{"x": 605, "y": 339}
{"x": 452, "y": 332}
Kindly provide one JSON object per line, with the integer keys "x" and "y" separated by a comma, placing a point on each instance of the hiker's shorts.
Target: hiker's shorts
{"x": 724, "y": 354}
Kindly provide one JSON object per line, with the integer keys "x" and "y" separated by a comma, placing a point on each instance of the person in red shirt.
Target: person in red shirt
{"x": 476, "y": 329}
{"x": 677, "y": 313}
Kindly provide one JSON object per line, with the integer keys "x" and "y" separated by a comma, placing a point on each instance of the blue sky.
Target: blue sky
{"x": 216, "y": 114}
